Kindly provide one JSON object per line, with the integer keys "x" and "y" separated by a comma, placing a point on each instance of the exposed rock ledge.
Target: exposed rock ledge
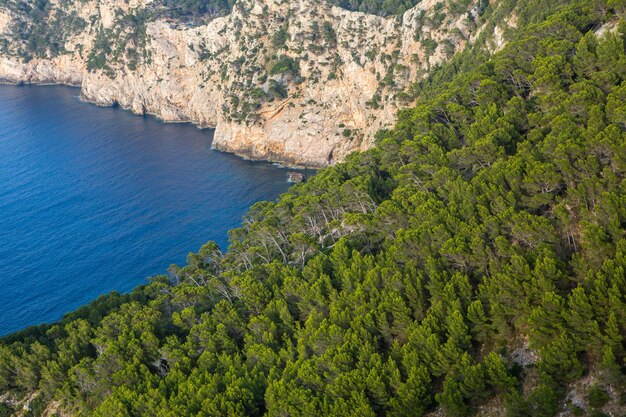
{"x": 193, "y": 73}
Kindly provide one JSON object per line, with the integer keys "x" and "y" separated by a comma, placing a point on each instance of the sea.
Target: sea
{"x": 94, "y": 200}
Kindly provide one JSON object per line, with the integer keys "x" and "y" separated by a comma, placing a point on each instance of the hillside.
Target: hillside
{"x": 472, "y": 262}
{"x": 298, "y": 82}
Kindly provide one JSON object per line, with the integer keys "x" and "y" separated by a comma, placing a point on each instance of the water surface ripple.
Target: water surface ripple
{"x": 97, "y": 199}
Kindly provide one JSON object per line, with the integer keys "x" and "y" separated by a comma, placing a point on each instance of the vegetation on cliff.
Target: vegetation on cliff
{"x": 185, "y": 8}
{"x": 473, "y": 260}
{"x": 379, "y": 7}
{"x": 37, "y": 31}
{"x": 41, "y": 29}
{"x": 266, "y": 50}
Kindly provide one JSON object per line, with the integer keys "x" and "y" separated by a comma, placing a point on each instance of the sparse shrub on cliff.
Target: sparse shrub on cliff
{"x": 284, "y": 65}
{"x": 195, "y": 8}
{"x": 329, "y": 35}
{"x": 374, "y": 102}
{"x": 101, "y": 47}
{"x": 124, "y": 43}
{"x": 39, "y": 30}
{"x": 396, "y": 7}
{"x": 429, "y": 45}
{"x": 279, "y": 39}
{"x": 276, "y": 89}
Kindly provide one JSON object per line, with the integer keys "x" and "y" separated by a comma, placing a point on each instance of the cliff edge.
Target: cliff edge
{"x": 298, "y": 82}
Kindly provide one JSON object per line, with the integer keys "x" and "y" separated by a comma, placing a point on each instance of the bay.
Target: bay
{"x": 97, "y": 199}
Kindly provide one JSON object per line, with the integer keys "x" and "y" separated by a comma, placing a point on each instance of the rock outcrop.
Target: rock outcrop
{"x": 299, "y": 82}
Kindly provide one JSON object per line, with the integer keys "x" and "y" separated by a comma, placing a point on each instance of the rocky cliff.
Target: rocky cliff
{"x": 295, "y": 81}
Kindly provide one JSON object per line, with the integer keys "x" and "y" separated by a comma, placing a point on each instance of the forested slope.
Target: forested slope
{"x": 472, "y": 262}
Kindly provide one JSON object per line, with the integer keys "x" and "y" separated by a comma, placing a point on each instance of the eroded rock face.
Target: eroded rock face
{"x": 293, "y": 81}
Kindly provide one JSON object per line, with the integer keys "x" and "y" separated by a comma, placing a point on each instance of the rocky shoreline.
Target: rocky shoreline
{"x": 211, "y": 75}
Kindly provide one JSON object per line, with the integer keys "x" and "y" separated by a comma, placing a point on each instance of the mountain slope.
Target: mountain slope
{"x": 470, "y": 263}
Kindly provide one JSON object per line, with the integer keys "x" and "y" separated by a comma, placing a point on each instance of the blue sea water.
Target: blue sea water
{"x": 97, "y": 199}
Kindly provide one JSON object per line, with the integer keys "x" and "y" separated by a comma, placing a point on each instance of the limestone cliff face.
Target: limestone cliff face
{"x": 294, "y": 81}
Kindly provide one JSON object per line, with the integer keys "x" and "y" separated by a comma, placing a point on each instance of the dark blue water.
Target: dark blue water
{"x": 97, "y": 199}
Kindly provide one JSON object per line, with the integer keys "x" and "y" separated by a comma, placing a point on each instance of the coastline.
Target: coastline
{"x": 301, "y": 104}
{"x": 104, "y": 179}
{"x": 245, "y": 155}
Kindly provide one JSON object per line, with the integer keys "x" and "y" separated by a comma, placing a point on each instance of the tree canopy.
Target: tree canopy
{"x": 476, "y": 253}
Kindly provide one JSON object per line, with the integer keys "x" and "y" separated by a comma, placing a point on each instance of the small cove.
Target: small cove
{"x": 97, "y": 199}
